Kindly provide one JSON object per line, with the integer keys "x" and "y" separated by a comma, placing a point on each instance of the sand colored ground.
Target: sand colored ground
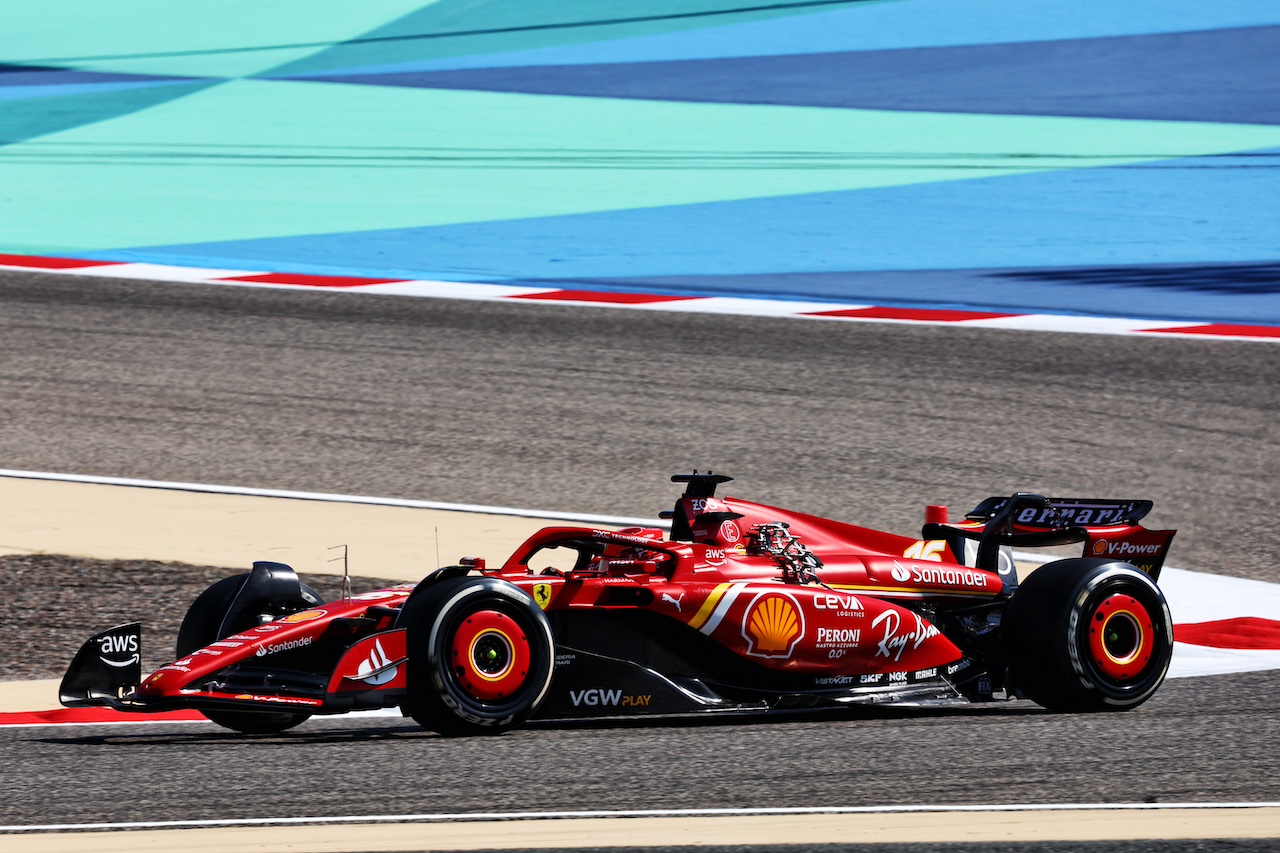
{"x": 111, "y": 522}
{"x": 123, "y": 522}
{"x": 973, "y": 827}
{"x": 21, "y": 696}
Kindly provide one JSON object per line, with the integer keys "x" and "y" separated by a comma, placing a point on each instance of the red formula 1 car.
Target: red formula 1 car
{"x": 741, "y": 608}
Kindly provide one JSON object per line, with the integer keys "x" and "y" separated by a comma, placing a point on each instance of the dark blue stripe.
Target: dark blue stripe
{"x": 1218, "y": 76}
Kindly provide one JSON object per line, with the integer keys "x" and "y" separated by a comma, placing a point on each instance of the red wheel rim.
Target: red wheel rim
{"x": 490, "y": 655}
{"x": 1121, "y": 637}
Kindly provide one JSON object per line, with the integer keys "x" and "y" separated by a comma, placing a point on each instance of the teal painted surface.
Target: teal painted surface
{"x": 453, "y": 28}
{"x": 217, "y": 38}
{"x": 31, "y": 118}
{"x": 258, "y": 159}
{"x": 340, "y": 176}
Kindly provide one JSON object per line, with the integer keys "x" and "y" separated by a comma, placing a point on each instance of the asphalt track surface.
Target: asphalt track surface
{"x": 566, "y": 408}
{"x": 590, "y": 410}
{"x": 1198, "y": 740}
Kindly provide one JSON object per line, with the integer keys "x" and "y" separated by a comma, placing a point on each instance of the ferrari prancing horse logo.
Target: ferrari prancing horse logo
{"x": 542, "y": 594}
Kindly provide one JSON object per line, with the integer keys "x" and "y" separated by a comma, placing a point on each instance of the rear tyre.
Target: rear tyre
{"x": 200, "y": 627}
{"x": 1088, "y": 635}
{"x": 481, "y": 656}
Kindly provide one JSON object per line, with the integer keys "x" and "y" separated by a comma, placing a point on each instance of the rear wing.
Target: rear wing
{"x": 1056, "y": 512}
{"x": 1109, "y": 529}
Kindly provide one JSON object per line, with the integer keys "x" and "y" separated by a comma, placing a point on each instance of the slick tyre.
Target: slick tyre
{"x": 200, "y": 628}
{"x": 1088, "y": 635}
{"x": 481, "y": 656}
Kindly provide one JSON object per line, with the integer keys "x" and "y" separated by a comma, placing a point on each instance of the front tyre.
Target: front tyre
{"x": 1088, "y": 635}
{"x": 481, "y": 655}
{"x": 206, "y": 623}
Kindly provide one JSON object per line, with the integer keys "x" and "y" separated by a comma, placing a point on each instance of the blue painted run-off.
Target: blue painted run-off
{"x": 1203, "y": 212}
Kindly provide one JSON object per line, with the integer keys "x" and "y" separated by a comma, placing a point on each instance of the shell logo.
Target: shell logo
{"x": 304, "y": 616}
{"x": 772, "y": 625}
{"x": 1100, "y": 547}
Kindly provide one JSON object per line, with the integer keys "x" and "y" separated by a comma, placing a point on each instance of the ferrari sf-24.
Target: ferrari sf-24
{"x": 740, "y": 608}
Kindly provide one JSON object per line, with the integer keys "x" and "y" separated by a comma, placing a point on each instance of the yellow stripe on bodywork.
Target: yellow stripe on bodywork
{"x": 704, "y": 612}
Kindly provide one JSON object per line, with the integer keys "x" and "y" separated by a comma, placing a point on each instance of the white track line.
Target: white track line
{"x": 586, "y": 518}
{"x": 633, "y": 813}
